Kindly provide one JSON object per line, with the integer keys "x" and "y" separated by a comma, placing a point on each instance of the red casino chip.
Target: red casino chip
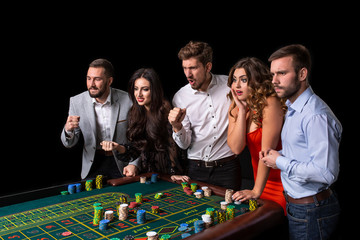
{"x": 66, "y": 233}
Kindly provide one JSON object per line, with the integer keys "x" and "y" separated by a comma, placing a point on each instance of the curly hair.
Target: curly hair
{"x": 260, "y": 85}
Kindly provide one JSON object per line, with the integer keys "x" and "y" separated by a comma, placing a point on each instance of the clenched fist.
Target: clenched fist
{"x": 176, "y": 116}
{"x": 72, "y": 122}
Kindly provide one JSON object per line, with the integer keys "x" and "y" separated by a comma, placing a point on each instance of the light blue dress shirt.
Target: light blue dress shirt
{"x": 310, "y": 146}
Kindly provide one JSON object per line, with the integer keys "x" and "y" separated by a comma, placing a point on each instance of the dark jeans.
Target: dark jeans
{"x": 227, "y": 176}
{"x": 106, "y": 166}
{"x": 314, "y": 220}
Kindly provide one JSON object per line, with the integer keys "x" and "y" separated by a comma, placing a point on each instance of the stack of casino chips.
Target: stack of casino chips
{"x": 117, "y": 206}
{"x": 88, "y": 185}
{"x": 71, "y": 188}
{"x": 228, "y": 195}
{"x": 184, "y": 185}
{"x": 123, "y": 211}
{"x": 221, "y": 215}
{"x": 230, "y": 212}
{"x": 78, "y": 187}
{"x": 123, "y": 199}
{"x": 152, "y": 235}
{"x": 154, "y": 177}
{"x": 199, "y": 226}
{"x": 141, "y": 216}
{"x": 99, "y": 181}
{"x": 207, "y": 220}
{"x": 155, "y": 209}
{"x": 138, "y": 197}
{"x": 74, "y": 188}
{"x": 211, "y": 212}
{"x": 109, "y": 215}
{"x": 198, "y": 194}
{"x": 158, "y": 195}
{"x": 188, "y": 191}
{"x": 193, "y": 187}
{"x": 207, "y": 191}
{"x": 252, "y": 204}
{"x": 98, "y": 213}
{"x": 103, "y": 225}
{"x": 184, "y": 227}
{"x": 223, "y": 205}
{"x": 142, "y": 179}
{"x": 201, "y": 193}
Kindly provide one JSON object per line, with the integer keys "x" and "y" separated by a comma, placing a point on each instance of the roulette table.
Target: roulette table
{"x": 71, "y": 216}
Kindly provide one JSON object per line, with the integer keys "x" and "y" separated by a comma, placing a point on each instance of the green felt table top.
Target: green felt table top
{"x": 129, "y": 189}
{"x": 48, "y": 217}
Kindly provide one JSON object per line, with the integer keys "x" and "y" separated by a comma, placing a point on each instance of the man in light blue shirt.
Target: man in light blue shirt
{"x": 309, "y": 159}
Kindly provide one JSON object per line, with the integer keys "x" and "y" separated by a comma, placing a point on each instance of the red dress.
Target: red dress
{"x": 273, "y": 189}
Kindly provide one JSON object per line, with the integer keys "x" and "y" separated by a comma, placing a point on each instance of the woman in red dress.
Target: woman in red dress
{"x": 256, "y": 117}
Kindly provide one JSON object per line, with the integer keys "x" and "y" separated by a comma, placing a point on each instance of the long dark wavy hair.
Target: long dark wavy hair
{"x": 149, "y": 131}
{"x": 260, "y": 85}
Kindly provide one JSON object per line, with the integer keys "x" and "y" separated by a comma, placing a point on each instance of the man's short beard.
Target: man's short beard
{"x": 98, "y": 95}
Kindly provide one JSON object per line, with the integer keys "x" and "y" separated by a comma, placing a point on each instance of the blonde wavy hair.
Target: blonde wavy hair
{"x": 260, "y": 85}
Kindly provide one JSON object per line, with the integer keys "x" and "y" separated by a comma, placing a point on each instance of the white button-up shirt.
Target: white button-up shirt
{"x": 205, "y": 125}
{"x": 102, "y": 116}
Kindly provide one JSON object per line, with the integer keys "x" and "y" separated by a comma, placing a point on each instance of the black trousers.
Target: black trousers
{"x": 104, "y": 165}
{"x": 228, "y": 175}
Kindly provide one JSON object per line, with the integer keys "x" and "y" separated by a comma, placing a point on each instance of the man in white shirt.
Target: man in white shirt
{"x": 199, "y": 120}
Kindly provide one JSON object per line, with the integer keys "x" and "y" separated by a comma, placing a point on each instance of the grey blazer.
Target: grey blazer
{"x": 82, "y": 105}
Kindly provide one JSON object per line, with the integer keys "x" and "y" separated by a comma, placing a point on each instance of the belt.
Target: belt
{"x": 104, "y": 153}
{"x": 215, "y": 163}
{"x": 310, "y": 199}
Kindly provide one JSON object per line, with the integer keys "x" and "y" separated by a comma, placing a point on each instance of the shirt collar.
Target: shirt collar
{"x": 212, "y": 83}
{"x": 301, "y": 101}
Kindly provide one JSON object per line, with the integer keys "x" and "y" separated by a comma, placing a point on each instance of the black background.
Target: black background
{"x": 46, "y": 55}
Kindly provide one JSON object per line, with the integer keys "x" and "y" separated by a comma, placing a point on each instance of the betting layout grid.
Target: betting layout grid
{"x": 77, "y": 217}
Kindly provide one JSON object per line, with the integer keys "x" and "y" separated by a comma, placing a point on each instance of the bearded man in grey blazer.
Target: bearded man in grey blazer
{"x": 100, "y": 116}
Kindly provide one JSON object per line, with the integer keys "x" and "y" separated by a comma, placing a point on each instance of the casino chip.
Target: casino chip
{"x": 182, "y": 229}
{"x": 66, "y": 234}
{"x": 129, "y": 237}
